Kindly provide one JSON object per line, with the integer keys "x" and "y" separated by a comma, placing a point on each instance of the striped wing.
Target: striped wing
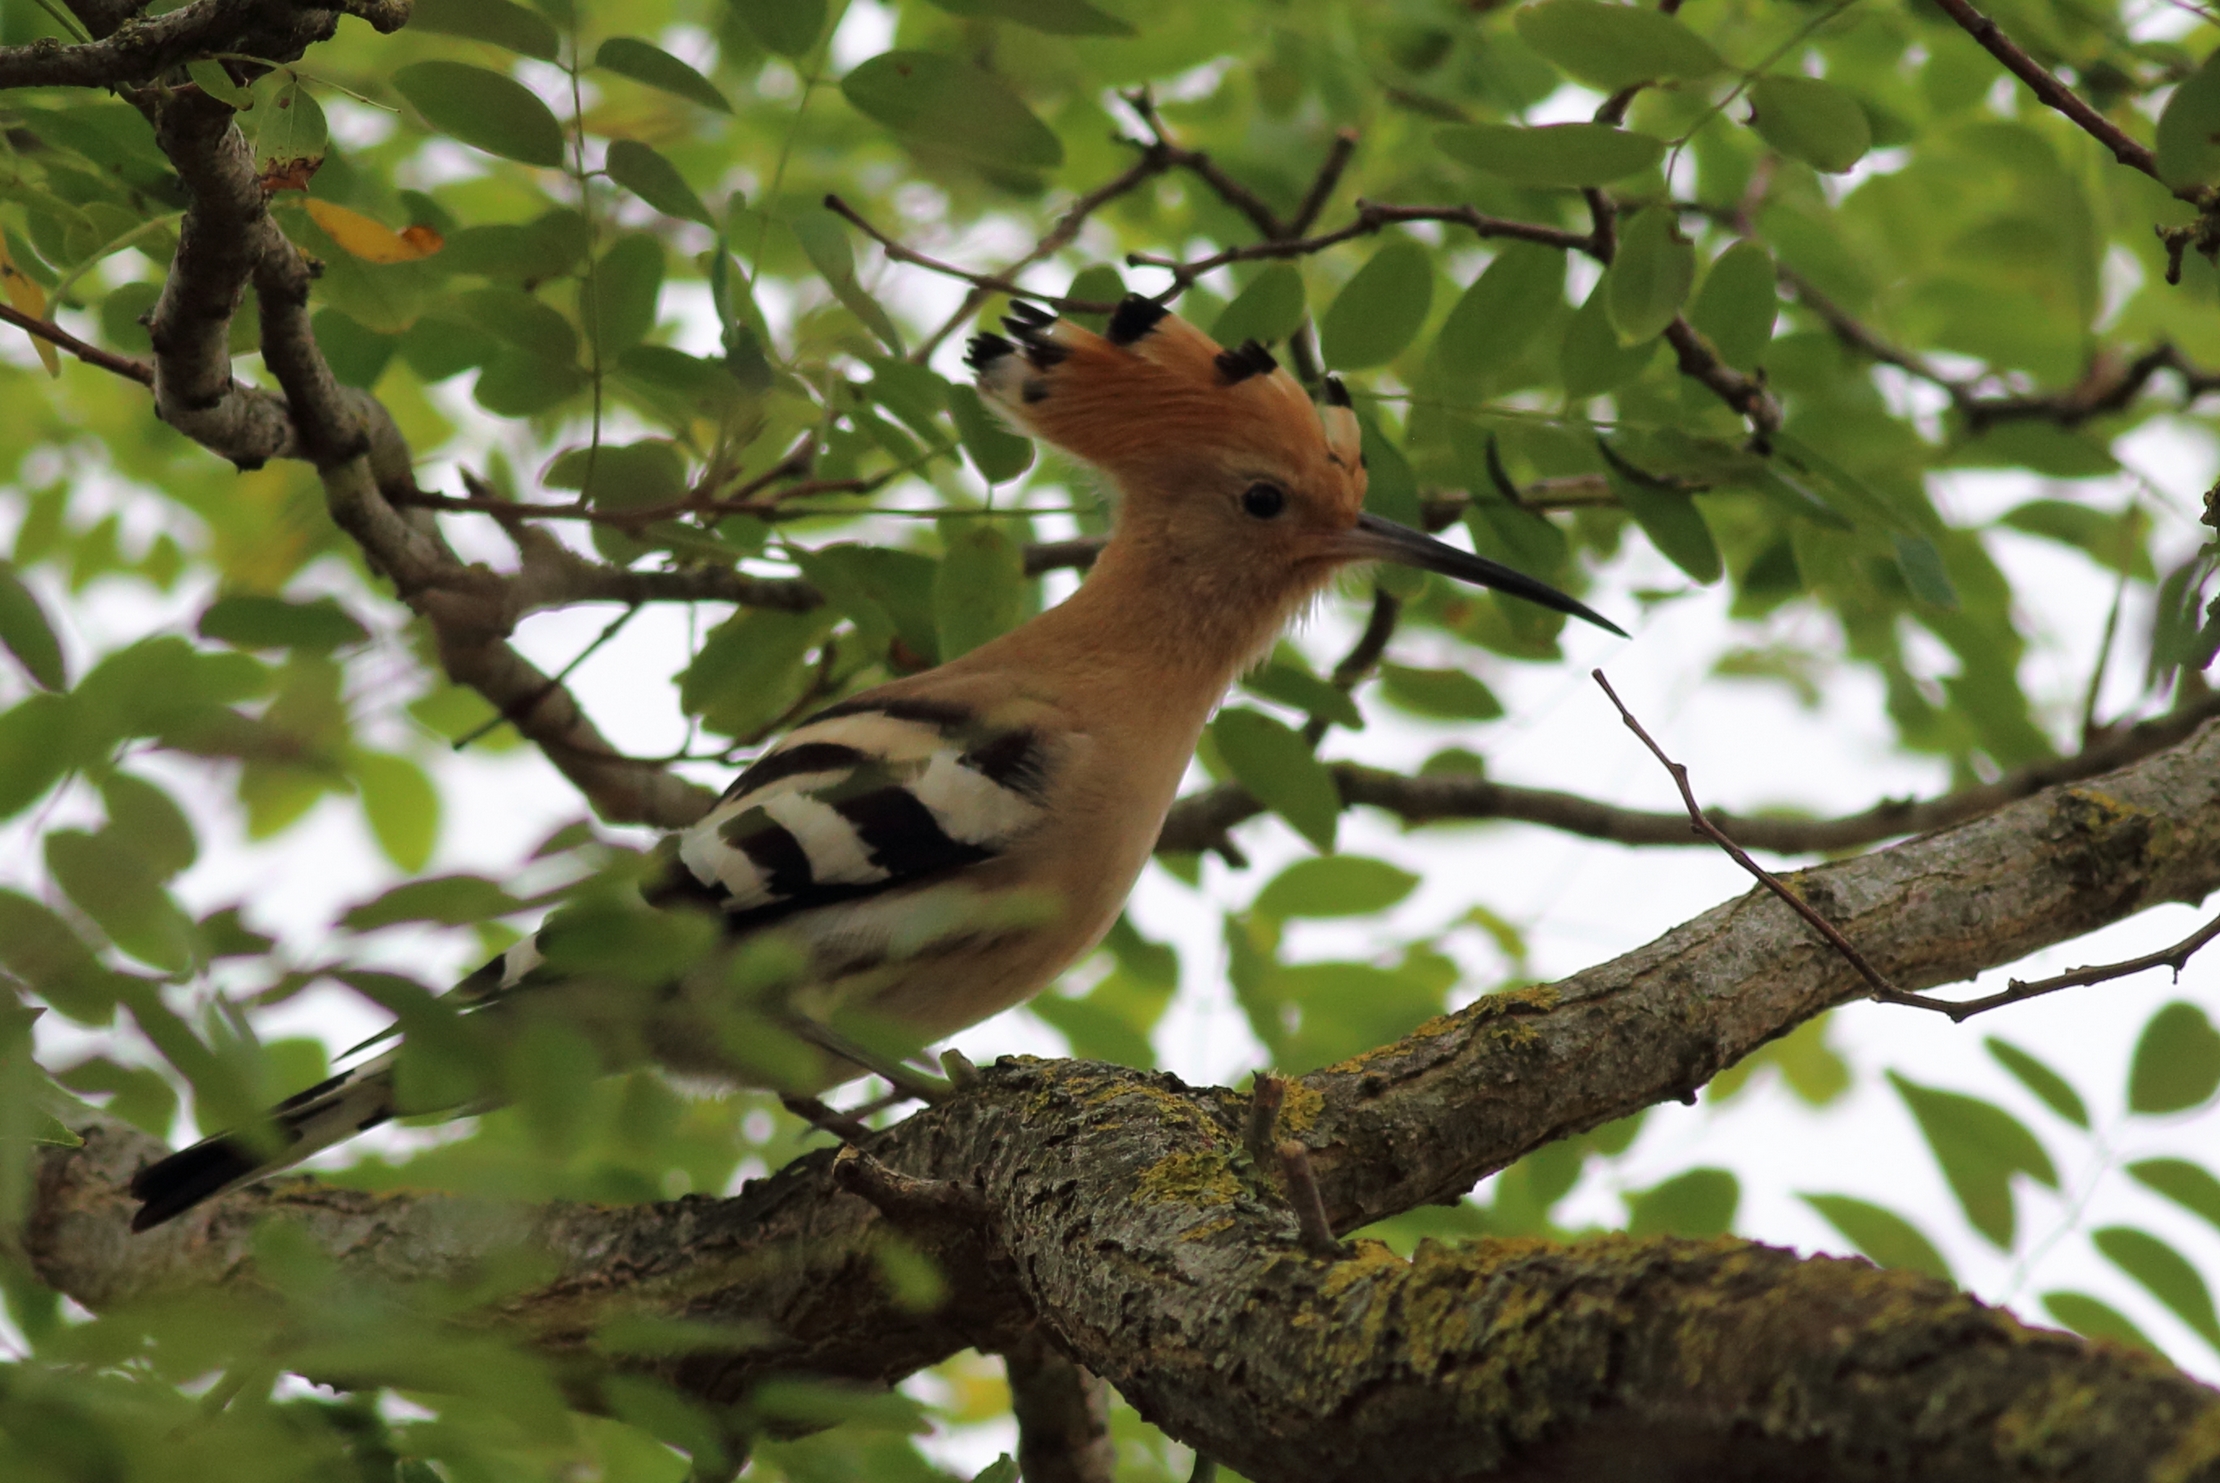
{"x": 868, "y": 796}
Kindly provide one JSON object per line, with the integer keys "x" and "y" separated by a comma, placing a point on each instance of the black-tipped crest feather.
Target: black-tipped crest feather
{"x": 1135, "y": 316}
{"x": 1245, "y": 360}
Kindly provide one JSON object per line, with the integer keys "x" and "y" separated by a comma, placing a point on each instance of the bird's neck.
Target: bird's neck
{"x": 1160, "y": 630}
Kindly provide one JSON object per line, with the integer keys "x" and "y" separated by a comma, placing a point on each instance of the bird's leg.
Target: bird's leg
{"x": 908, "y": 1080}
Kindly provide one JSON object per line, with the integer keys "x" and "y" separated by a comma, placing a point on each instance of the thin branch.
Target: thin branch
{"x": 1322, "y": 184}
{"x": 1745, "y": 394}
{"x": 2046, "y": 86}
{"x": 2017, "y": 990}
{"x": 1151, "y": 164}
{"x": 1882, "y": 988}
{"x": 992, "y": 282}
{"x": 1195, "y": 162}
{"x": 1370, "y": 218}
{"x": 1310, "y": 1211}
{"x": 1201, "y": 818}
{"x": 128, "y": 367}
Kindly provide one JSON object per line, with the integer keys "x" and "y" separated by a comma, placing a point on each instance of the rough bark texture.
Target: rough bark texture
{"x": 1118, "y": 1210}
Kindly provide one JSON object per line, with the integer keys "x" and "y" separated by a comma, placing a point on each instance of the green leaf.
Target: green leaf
{"x": 401, "y": 804}
{"x": 980, "y": 591}
{"x": 137, "y": 1094}
{"x": 1334, "y": 886}
{"x": 483, "y": 109}
{"x": 497, "y": 21}
{"x": 1674, "y": 525}
{"x": 41, "y": 949}
{"x": 1614, "y": 46}
{"x": 788, "y": 27}
{"x": 2165, "y": 1273}
{"x": 656, "y": 181}
{"x": 1381, "y": 309}
{"x": 2188, "y": 1185}
{"x": 1391, "y": 489}
{"x": 1099, "y": 283}
{"x": 1888, "y": 1238}
{"x": 253, "y": 621}
{"x": 1269, "y": 309}
{"x": 112, "y": 884}
{"x": 289, "y": 123}
{"x": 37, "y": 737}
{"x": 1923, "y": 569}
{"x": 2094, "y": 1319}
{"x": 1494, "y": 321}
{"x": 1591, "y": 360}
{"x": 1274, "y": 763}
{"x": 2189, "y": 129}
{"x": 623, "y": 292}
{"x": 749, "y": 669}
{"x": 1650, "y": 278}
{"x": 27, "y": 633}
{"x": 456, "y": 900}
{"x": 1552, "y": 154}
{"x": 941, "y": 104}
{"x": 1700, "y": 1203}
{"x": 997, "y": 453}
{"x": 2117, "y": 540}
{"x": 211, "y": 78}
{"x": 1812, "y": 121}
{"x": 1286, "y": 681}
{"x": 629, "y": 56}
{"x": 358, "y": 354}
{"x": 1979, "y": 1147}
{"x": 157, "y": 829}
{"x": 1738, "y": 304}
{"x": 2057, "y": 1094}
{"x": 1056, "y": 17}
{"x": 2177, "y": 1061}
{"x": 1346, "y": 1009}
{"x": 824, "y": 239}
{"x": 1445, "y": 694}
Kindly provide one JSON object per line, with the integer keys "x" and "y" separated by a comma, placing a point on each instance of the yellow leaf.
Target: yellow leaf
{"x": 28, "y": 298}
{"x": 372, "y": 240}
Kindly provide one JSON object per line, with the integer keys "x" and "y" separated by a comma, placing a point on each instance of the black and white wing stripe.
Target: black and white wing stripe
{"x": 867, "y": 796}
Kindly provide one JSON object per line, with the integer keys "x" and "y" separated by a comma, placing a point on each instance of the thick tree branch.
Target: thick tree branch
{"x": 273, "y": 29}
{"x": 1198, "y": 821}
{"x": 1122, "y": 1211}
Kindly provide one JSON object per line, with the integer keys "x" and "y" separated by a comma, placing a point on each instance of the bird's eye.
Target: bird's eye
{"x": 1263, "y": 501}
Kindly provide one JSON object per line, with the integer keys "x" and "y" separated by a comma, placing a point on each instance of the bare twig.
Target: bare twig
{"x": 122, "y": 365}
{"x": 1882, "y": 988}
{"x": 1370, "y": 218}
{"x": 1260, "y": 1133}
{"x": 991, "y": 282}
{"x": 826, "y": 1118}
{"x": 1310, "y": 1210}
{"x": 2046, "y": 86}
{"x": 1322, "y": 184}
{"x": 1153, "y": 162}
{"x": 1746, "y": 394}
{"x": 1199, "y": 819}
{"x": 2018, "y": 990}
{"x": 904, "y": 1197}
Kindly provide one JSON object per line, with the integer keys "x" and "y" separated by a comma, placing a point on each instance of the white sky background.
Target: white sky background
{"x": 1580, "y": 902}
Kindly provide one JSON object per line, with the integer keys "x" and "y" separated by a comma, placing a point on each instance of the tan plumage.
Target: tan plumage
{"x": 943, "y": 846}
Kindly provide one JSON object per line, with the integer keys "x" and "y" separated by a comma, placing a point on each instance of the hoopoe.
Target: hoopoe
{"x": 890, "y": 835}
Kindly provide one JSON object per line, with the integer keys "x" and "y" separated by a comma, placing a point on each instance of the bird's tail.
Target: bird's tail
{"x": 302, "y": 1125}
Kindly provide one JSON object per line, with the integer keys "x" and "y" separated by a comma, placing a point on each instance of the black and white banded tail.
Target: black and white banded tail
{"x": 301, "y": 1126}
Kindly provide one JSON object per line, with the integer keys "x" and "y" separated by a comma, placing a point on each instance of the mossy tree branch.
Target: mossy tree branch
{"x": 1119, "y": 1212}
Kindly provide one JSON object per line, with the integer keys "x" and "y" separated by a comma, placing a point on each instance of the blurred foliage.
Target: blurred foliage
{"x": 584, "y": 250}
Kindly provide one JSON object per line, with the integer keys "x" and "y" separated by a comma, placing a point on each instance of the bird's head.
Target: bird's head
{"x": 1225, "y": 466}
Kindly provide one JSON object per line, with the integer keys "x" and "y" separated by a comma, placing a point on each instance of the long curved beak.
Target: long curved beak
{"x": 1375, "y": 539}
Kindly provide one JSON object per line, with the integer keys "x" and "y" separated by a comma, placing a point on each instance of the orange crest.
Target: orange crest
{"x": 1156, "y": 403}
